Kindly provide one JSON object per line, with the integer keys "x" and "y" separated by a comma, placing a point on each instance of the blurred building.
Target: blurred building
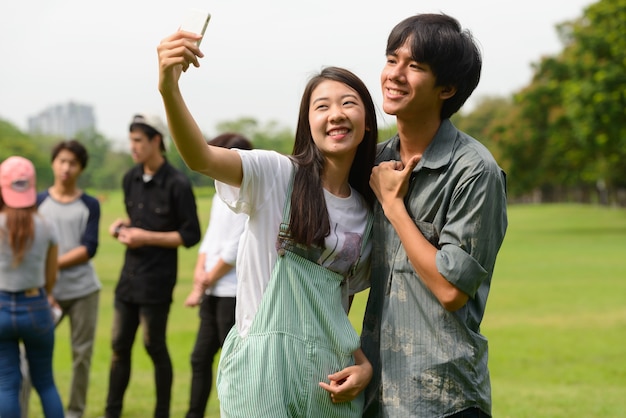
{"x": 63, "y": 120}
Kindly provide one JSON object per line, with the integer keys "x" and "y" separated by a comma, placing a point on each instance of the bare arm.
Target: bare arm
{"x": 197, "y": 291}
{"x": 137, "y": 237}
{"x": 51, "y": 268}
{"x": 217, "y": 272}
{"x": 199, "y": 272}
{"x": 176, "y": 53}
{"x": 204, "y": 280}
{"x": 73, "y": 257}
{"x": 389, "y": 180}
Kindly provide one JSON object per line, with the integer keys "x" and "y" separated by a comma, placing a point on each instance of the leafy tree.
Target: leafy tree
{"x": 484, "y": 119}
{"x": 566, "y": 131}
{"x": 271, "y": 135}
{"x": 101, "y": 170}
{"x": 538, "y": 146}
{"x": 197, "y": 179}
{"x": 15, "y": 142}
{"x": 246, "y": 126}
{"x": 594, "y": 87}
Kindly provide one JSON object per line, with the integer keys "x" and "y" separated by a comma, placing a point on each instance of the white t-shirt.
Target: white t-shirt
{"x": 221, "y": 241}
{"x": 266, "y": 176}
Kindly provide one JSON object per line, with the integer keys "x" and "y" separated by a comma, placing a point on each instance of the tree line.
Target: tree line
{"x": 560, "y": 138}
{"x": 563, "y": 136}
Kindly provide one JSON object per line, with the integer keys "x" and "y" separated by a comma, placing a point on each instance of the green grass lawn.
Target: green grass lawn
{"x": 555, "y": 320}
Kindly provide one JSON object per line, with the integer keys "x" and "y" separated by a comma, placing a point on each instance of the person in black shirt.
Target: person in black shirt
{"x": 162, "y": 216}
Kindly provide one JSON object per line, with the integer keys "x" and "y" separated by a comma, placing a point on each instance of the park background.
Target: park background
{"x": 556, "y": 316}
{"x": 555, "y": 319}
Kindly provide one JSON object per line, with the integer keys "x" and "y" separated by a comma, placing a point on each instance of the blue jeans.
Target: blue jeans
{"x": 26, "y": 316}
{"x": 153, "y": 319}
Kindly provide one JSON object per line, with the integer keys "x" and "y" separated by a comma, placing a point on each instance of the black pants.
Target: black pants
{"x": 470, "y": 413}
{"x": 153, "y": 319}
{"x": 217, "y": 317}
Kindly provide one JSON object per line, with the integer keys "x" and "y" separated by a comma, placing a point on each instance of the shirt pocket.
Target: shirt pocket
{"x": 429, "y": 232}
{"x": 159, "y": 207}
{"x": 159, "y": 214}
{"x": 40, "y": 314}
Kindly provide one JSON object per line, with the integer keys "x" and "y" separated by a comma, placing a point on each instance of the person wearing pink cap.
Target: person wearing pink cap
{"x": 28, "y": 267}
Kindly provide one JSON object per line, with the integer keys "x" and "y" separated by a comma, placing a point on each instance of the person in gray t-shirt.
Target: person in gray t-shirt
{"x": 77, "y": 291}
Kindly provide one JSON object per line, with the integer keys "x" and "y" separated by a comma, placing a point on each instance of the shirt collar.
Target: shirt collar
{"x": 438, "y": 153}
{"x": 158, "y": 178}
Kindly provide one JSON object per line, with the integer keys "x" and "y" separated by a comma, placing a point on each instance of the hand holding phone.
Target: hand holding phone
{"x": 196, "y": 21}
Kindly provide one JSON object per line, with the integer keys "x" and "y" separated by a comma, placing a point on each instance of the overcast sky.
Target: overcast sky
{"x": 258, "y": 54}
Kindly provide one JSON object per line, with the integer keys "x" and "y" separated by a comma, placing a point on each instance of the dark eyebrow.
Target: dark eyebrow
{"x": 319, "y": 100}
{"x": 355, "y": 96}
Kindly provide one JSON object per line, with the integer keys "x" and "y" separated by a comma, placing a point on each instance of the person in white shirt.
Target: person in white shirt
{"x": 305, "y": 249}
{"x": 214, "y": 287}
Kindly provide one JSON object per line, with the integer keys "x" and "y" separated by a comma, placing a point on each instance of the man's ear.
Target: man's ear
{"x": 447, "y": 92}
{"x": 161, "y": 143}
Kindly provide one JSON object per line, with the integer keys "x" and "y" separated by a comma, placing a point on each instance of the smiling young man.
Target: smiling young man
{"x": 439, "y": 225}
{"x": 162, "y": 216}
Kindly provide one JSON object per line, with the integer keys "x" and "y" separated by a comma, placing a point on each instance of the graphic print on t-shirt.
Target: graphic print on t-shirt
{"x": 341, "y": 252}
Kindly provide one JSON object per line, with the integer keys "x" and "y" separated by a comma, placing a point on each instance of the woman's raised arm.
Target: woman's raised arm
{"x": 177, "y": 53}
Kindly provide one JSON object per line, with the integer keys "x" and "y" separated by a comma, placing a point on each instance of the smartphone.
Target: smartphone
{"x": 196, "y": 21}
{"x": 118, "y": 229}
{"x": 56, "y": 314}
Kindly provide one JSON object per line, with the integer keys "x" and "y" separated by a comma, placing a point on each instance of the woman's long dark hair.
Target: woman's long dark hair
{"x": 19, "y": 231}
{"x": 310, "y": 224}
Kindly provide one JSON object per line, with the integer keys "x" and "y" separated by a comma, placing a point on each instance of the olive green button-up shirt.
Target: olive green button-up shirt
{"x": 429, "y": 362}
